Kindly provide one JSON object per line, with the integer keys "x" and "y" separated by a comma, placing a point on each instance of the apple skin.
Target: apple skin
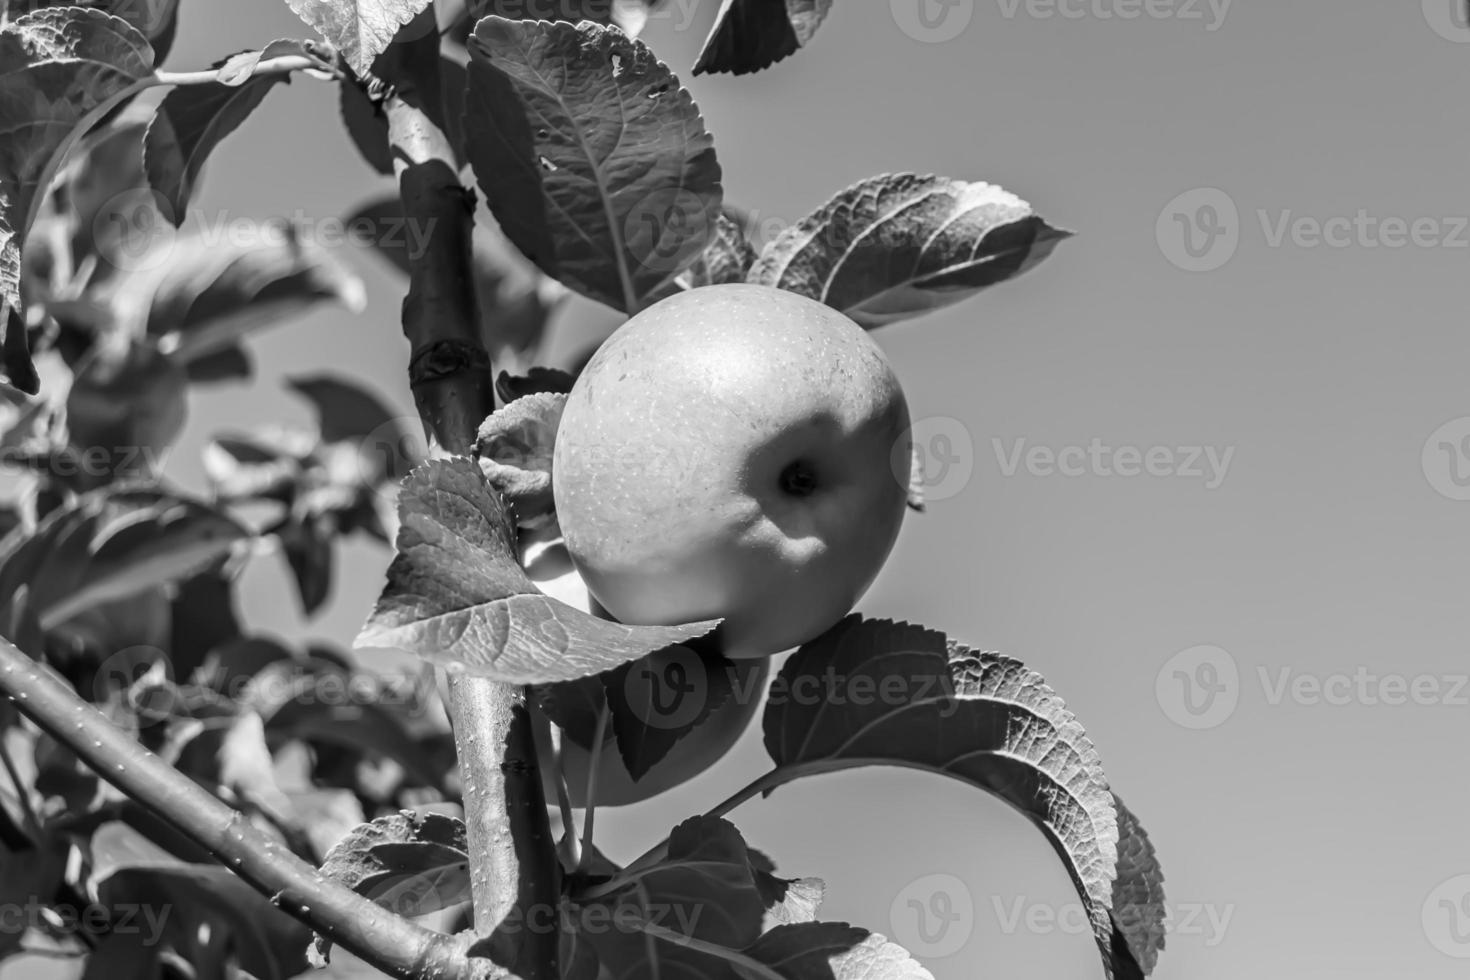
{"x": 729, "y": 453}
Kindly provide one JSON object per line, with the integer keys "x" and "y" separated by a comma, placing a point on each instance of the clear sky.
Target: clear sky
{"x": 1308, "y": 333}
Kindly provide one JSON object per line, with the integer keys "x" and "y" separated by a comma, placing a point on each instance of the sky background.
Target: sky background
{"x": 1299, "y": 837}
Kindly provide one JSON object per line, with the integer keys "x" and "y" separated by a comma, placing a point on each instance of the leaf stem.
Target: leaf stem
{"x": 594, "y": 762}
{"x": 395, "y": 945}
{"x": 22, "y": 793}
{"x": 283, "y": 65}
{"x": 659, "y": 851}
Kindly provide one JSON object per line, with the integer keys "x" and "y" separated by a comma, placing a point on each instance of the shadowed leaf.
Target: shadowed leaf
{"x": 58, "y": 67}
{"x": 593, "y": 159}
{"x": 981, "y": 718}
{"x": 193, "y": 119}
{"x": 750, "y": 35}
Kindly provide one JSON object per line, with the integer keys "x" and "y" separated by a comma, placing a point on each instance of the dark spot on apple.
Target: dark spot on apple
{"x": 798, "y": 480}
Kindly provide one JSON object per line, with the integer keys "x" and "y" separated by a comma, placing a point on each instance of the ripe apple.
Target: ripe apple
{"x": 549, "y": 566}
{"x": 728, "y": 453}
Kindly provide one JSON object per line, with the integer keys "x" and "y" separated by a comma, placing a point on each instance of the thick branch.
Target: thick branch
{"x": 393, "y": 944}
{"x": 511, "y": 851}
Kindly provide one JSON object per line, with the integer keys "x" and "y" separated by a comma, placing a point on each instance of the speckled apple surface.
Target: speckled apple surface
{"x": 729, "y": 452}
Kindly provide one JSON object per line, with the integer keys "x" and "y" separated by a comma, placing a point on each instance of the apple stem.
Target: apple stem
{"x": 572, "y": 859}
{"x": 594, "y": 760}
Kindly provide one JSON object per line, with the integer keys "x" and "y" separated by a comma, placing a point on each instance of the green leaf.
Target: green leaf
{"x": 593, "y": 159}
{"x": 833, "y": 951}
{"x": 213, "y": 293}
{"x": 382, "y": 444}
{"x": 980, "y": 718}
{"x": 750, "y": 35}
{"x": 193, "y": 119}
{"x": 727, "y": 258}
{"x": 360, "y": 29}
{"x": 408, "y": 862}
{"x": 308, "y": 541}
{"x": 646, "y": 722}
{"x": 367, "y": 125}
{"x": 1138, "y": 894}
{"x": 112, "y": 544}
{"x": 213, "y": 917}
{"x": 154, "y": 19}
{"x": 514, "y": 446}
{"x": 125, "y": 407}
{"x": 59, "y": 70}
{"x": 457, "y": 596}
{"x": 535, "y": 381}
{"x": 703, "y": 889}
{"x": 898, "y": 245}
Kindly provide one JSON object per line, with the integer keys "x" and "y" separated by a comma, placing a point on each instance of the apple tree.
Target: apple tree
{"x": 283, "y": 801}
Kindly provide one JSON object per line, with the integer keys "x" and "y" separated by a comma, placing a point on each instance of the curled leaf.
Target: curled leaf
{"x": 982, "y": 718}
{"x": 750, "y": 35}
{"x": 514, "y": 446}
{"x": 899, "y": 245}
{"x": 457, "y": 596}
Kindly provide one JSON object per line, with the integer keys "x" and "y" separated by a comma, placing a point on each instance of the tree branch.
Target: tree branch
{"x": 393, "y": 944}
{"x": 512, "y": 855}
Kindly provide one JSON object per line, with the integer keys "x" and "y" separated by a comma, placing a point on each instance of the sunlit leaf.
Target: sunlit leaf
{"x": 457, "y": 594}
{"x": 900, "y": 245}
{"x": 360, "y": 29}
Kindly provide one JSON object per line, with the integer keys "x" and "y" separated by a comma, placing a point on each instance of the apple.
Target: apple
{"x": 547, "y": 563}
{"x": 728, "y": 453}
